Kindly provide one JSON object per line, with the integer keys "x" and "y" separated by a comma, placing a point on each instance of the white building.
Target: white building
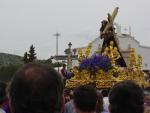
{"x": 125, "y": 42}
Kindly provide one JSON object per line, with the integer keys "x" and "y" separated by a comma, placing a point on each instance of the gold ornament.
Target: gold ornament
{"x": 132, "y": 57}
{"x": 106, "y": 79}
{"x": 80, "y": 54}
{"x": 139, "y": 62}
{"x": 88, "y": 50}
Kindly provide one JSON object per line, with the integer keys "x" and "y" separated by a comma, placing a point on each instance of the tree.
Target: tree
{"x": 25, "y": 58}
{"x": 7, "y": 71}
{"x": 32, "y": 54}
{"x": 46, "y": 62}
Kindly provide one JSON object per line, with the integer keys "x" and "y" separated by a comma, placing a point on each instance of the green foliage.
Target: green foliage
{"x": 7, "y": 71}
{"x": 8, "y": 65}
{"x": 25, "y": 58}
{"x": 6, "y": 59}
{"x": 57, "y": 64}
{"x": 32, "y": 54}
{"x": 50, "y": 63}
{"x": 46, "y": 62}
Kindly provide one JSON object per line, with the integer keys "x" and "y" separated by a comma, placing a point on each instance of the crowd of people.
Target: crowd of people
{"x": 37, "y": 88}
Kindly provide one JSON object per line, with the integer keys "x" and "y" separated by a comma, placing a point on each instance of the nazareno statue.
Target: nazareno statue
{"x": 107, "y": 32}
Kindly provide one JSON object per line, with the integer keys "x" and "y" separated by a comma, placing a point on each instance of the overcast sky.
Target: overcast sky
{"x": 26, "y": 22}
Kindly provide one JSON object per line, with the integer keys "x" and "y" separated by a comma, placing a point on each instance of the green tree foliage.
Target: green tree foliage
{"x": 7, "y": 71}
{"x": 50, "y": 63}
{"x": 46, "y": 62}
{"x": 32, "y": 54}
{"x": 25, "y": 58}
{"x": 6, "y": 59}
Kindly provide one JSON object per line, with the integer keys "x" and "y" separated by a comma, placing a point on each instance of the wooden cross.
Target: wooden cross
{"x": 111, "y": 18}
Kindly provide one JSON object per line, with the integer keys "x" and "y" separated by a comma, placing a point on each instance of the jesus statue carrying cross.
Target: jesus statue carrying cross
{"x": 107, "y": 32}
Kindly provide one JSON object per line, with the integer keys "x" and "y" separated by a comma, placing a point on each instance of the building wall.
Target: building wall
{"x": 125, "y": 42}
{"x": 96, "y": 45}
{"x": 128, "y": 41}
{"x": 145, "y": 52}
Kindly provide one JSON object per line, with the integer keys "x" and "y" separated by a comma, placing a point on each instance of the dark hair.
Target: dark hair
{"x": 126, "y": 97}
{"x": 104, "y": 92}
{"x": 85, "y": 98}
{"x": 3, "y": 86}
{"x": 64, "y": 65}
{"x": 36, "y": 88}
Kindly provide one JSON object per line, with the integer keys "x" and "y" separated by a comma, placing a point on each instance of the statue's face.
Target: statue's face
{"x": 111, "y": 43}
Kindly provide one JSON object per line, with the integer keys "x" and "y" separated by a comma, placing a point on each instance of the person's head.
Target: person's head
{"x": 36, "y": 88}
{"x": 85, "y": 99}
{"x": 126, "y": 97}
{"x": 64, "y": 65}
{"x": 104, "y": 92}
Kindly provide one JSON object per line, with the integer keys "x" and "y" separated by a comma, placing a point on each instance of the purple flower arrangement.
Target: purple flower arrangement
{"x": 96, "y": 62}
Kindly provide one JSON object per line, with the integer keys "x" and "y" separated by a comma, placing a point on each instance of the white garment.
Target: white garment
{"x": 69, "y": 107}
{"x": 2, "y": 111}
{"x": 106, "y": 104}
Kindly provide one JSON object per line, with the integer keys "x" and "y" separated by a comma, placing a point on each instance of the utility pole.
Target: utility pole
{"x": 57, "y": 36}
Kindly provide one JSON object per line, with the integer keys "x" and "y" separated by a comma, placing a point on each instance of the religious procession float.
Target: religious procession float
{"x": 107, "y": 67}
